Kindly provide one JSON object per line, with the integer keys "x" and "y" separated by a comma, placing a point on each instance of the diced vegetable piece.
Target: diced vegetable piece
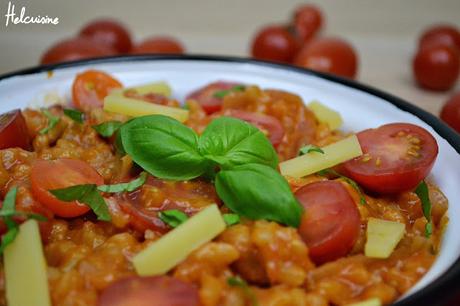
{"x": 117, "y": 103}
{"x": 326, "y": 115}
{"x": 382, "y": 237}
{"x": 25, "y": 268}
{"x": 165, "y": 253}
{"x": 370, "y": 302}
{"x": 161, "y": 88}
{"x": 313, "y": 162}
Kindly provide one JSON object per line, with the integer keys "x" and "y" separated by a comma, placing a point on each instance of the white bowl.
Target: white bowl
{"x": 361, "y": 107}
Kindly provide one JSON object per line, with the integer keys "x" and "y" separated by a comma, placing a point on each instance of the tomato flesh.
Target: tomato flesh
{"x": 396, "y": 158}
{"x": 147, "y": 291}
{"x": 13, "y": 131}
{"x": 91, "y": 87}
{"x": 269, "y": 125}
{"x": 159, "y": 45}
{"x": 331, "y": 222}
{"x": 108, "y": 32}
{"x": 207, "y": 98}
{"x": 61, "y": 173}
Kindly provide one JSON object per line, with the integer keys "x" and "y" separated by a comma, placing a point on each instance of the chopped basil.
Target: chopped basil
{"x": 231, "y": 219}
{"x": 108, "y": 128}
{"x": 352, "y": 183}
{"x": 310, "y": 148}
{"x": 52, "y": 121}
{"x": 424, "y": 196}
{"x": 87, "y": 194}
{"x": 173, "y": 217}
{"x": 25, "y": 214}
{"x": 222, "y": 93}
{"x": 130, "y": 186}
{"x": 74, "y": 114}
{"x": 237, "y": 281}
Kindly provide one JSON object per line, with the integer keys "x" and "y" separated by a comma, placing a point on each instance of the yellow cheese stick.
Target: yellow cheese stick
{"x": 171, "y": 249}
{"x": 161, "y": 88}
{"x": 25, "y": 268}
{"x": 370, "y": 302}
{"x": 117, "y": 103}
{"x": 313, "y": 162}
{"x": 382, "y": 237}
{"x": 326, "y": 115}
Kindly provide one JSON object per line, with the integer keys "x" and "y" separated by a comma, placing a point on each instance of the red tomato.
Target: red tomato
{"x": 206, "y": 96}
{"x": 75, "y": 49}
{"x": 108, "y": 32}
{"x": 442, "y": 34}
{"x": 330, "y": 55}
{"x": 331, "y": 222}
{"x": 396, "y": 158}
{"x": 90, "y": 88}
{"x": 269, "y": 125}
{"x": 450, "y": 112}
{"x": 13, "y": 131}
{"x": 308, "y": 20}
{"x": 148, "y": 291}
{"x": 61, "y": 173}
{"x": 436, "y": 67}
{"x": 275, "y": 43}
{"x": 159, "y": 45}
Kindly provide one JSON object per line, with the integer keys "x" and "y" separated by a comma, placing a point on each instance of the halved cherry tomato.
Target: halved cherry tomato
{"x": 90, "y": 88}
{"x": 275, "y": 43}
{"x": 436, "y": 67}
{"x": 13, "y": 131}
{"x": 450, "y": 112}
{"x": 441, "y": 34}
{"x": 331, "y": 222}
{"x": 108, "y": 32}
{"x": 308, "y": 20}
{"x": 267, "y": 124}
{"x": 331, "y": 55}
{"x": 396, "y": 158}
{"x": 148, "y": 291}
{"x": 159, "y": 45}
{"x": 61, "y": 173}
{"x": 207, "y": 98}
{"x": 75, "y": 49}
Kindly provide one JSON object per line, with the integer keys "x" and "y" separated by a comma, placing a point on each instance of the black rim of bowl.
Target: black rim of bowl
{"x": 434, "y": 293}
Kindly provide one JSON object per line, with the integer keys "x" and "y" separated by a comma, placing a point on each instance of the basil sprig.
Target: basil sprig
{"x": 310, "y": 148}
{"x": 247, "y": 181}
{"x": 231, "y": 219}
{"x": 108, "y": 128}
{"x": 52, "y": 121}
{"x": 173, "y": 217}
{"x": 222, "y": 93}
{"x": 7, "y": 212}
{"x": 74, "y": 114}
{"x": 129, "y": 186}
{"x": 424, "y": 196}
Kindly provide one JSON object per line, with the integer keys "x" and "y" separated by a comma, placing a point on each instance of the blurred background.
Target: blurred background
{"x": 384, "y": 33}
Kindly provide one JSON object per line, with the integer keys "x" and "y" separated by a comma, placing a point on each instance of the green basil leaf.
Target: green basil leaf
{"x": 9, "y": 237}
{"x": 173, "y": 217}
{"x": 424, "y": 196}
{"x": 25, "y": 214}
{"x": 86, "y": 194}
{"x": 231, "y": 219}
{"x": 258, "y": 192}
{"x": 230, "y": 142}
{"x": 163, "y": 147}
{"x": 74, "y": 114}
{"x": 108, "y": 128}
{"x": 52, "y": 121}
{"x": 8, "y": 207}
{"x": 310, "y": 148}
{"x": 352, "y": 183}
{"x": 222, "y": 93}
{"x": 237, "y": 281}
{"x": 130, "y": 186}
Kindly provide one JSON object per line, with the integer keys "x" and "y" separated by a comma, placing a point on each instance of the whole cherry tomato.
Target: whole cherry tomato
{"x": 330, "y": 55}
{"x": 450, "y": 112}
{"x": 275, "y": 43}
{"x": 396, "y": 158}
{"x": 436, "y": 67}
{"x": 159, "y": 45}
{"x": 109, "y": 32}
{"x": 308, "y": 21}
{"x": 75, "y": 49}
{"x": 441, "y": 34}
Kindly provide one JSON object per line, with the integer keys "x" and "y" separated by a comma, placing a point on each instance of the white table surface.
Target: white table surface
{"x": 384, "y": 32}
